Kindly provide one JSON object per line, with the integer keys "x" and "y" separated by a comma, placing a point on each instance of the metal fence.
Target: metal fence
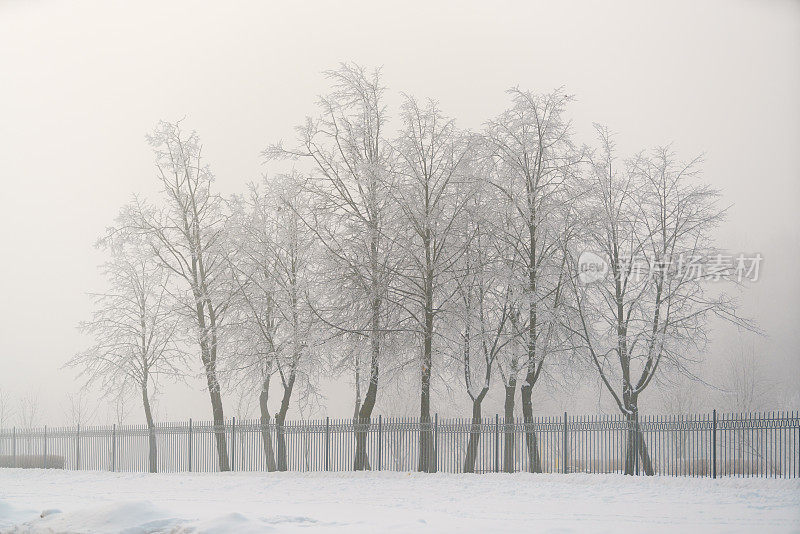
{"x": 745, "y": 445}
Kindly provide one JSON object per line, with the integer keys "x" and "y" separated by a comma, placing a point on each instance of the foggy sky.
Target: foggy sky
{"x": 82, "y": 83}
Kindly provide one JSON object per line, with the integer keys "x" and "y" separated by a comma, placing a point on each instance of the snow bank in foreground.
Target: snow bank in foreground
{"x": 401, "y": 502}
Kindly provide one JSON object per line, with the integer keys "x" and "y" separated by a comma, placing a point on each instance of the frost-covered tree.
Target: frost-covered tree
{"x": 350, "y": 164}
{"x": 433, "y": 187}
{"x": 133, "y": 329}
{"x": 296, "y": 284}
{"x": 253, "y": 326}
{"x": 479, "y": 317}
{"x": 745, "y": 384}
{"x": 535, "y": 172}
{"x": 274, "y": 264}
{"x": 78, "y": 408}
{"x": 186, "y": 235}
{"x": 28, "y": 410}
{"x": 651, "y": 220}
{"x": 6, "y": 409}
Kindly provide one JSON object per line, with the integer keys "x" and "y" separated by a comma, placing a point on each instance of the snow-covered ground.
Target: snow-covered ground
{"x": 399, "y": 502}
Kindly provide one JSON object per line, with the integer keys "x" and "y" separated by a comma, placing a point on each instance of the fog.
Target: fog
{"x": 82, "y": 83}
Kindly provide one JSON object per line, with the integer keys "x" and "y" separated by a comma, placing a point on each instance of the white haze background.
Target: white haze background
{"x": 82, "y": 82}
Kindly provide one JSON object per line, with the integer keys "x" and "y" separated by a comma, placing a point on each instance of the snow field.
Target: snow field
{"x": 216, "y": 503}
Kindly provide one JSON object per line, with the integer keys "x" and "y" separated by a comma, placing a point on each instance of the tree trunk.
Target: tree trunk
{"x": 280, "y": 418}
{"x": 474, "y": 434}
{"x": 364, "y": 412}
{"x": 508, "y": 442}
{"x": 636, "y": 448}
{"x": 427, "y": 460}
{"x": 647, "y": 463}
{"x": 531, "y": 445}
{"x": 210, "y": 367}
{"x": 361, "y": 431}
{"x": 266, "y": 436}
{"x": 151, "y": 432}
{"x": 279, "y": 431}
{"x": 219, "y": 429}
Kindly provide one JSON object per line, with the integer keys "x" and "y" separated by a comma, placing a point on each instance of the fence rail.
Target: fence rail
{"x": 745, "y": 445}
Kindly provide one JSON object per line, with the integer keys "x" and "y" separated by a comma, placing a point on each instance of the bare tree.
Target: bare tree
{"x": 119, "y": 409}
{"x": 434, "y": 186}
{"x": 187, "y": 237}
{"x": 79, "y": 409}
{"x": 746, "y": 387}
{"x": 28, "y": 411}
{"x": 680, "y": 395}
{"x": 351, "y": 162}
{"x": 277, "y": 279}
{"x": 294, "y": 249}
{"x": 649, "y": 219}
{"x": 535, "y": 168}
{"x": 745, "y": 384}
{"x": 254, "y": 316}
{"x": 6, "y": 409}
{"x": 133, "y": 326}
{"x": 481, "y": 310}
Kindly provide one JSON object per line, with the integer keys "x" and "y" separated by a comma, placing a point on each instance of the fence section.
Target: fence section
{"x": 745, "y": 445}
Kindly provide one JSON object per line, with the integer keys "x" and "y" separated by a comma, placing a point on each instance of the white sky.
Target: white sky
{"x": 82, "y": 82}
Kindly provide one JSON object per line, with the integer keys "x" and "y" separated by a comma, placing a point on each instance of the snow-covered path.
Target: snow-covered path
{"x": 400, "y": 502}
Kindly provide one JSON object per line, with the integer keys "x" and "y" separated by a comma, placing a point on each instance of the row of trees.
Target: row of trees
{"x": 409, "y": 251}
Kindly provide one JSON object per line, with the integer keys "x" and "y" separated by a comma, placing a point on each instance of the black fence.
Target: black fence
{"x": 707, "y": 445}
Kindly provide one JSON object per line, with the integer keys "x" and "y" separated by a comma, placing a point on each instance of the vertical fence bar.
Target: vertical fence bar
{"x": 78, "y": 447}
{"x": 190, "y": 445}
{"x": 714, "y": 443}
{"x": 380, "y": 442}
{"x": 114, "y": 448}
{"x": 14, "y": 446}
{"x": 496, "y": 443}
{"x": 233, "y": 444}
{"x": 436, "y": 442}
{"x": 564, "y": 446}
{"x": 45, "y": 446}
{"x": 327, "y": 441}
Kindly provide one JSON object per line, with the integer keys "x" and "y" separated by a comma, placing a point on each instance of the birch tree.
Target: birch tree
{"x": 350, "y": 163}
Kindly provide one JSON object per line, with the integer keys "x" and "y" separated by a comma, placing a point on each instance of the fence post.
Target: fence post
{"x": 564, "y": 447}
{"x": 78, "y": 448}
{"x": 14, "y": 446}
{"x": 114, "y": 448}
{"x": 45, "y": 446}
{"x": 714, "y": 443}
{"x": 436, "y": 442}
{"x": 380, "y": 441}
{"x": 233, "y": 444}
{"x": 496, "y": 443}
{"x": 327, "y": 442}
{"x": 190, "y": 444}
{"x": 636, "y": 443}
